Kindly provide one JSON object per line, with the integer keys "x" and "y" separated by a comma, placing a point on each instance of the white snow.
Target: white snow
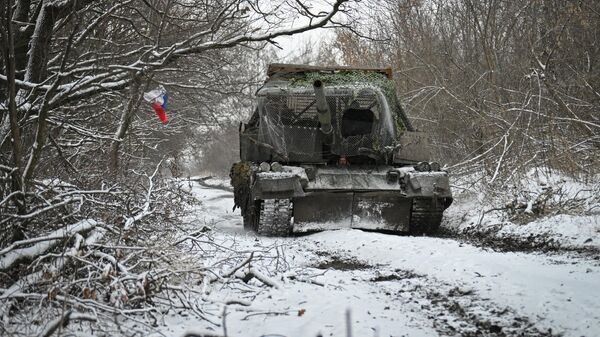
{"x": 559, "y": 292}
{"x": 8, "y": 256}
{"x": 572, "y": 231}
{"x": 389, "y": 285}
{"x": 571, "y": 217}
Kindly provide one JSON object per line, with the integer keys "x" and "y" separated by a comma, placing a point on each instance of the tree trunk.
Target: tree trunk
{"x": 126, "y": 116}
{"x": 15, "y": 132}
{"x": 22, "y": 36}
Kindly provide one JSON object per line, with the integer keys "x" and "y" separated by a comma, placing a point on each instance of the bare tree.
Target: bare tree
{"x": 82, "y": 158}
{"x": 502, "y": 85}
{"x": 64, "y": 93}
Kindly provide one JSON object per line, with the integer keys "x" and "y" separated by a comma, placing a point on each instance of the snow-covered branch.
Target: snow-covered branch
{"x": 10, "y": 255}
{"x": 145, "y": 211}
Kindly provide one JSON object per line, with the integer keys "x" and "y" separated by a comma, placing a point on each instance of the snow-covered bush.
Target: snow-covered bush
{"x": 539, "y": 210}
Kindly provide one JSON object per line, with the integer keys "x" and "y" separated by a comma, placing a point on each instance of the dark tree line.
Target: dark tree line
{"x": 504, "y": 86}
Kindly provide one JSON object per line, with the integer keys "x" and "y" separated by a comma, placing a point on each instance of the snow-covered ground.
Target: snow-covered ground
{"x": 380, "y": 285}
{"x": 541, "y": 210}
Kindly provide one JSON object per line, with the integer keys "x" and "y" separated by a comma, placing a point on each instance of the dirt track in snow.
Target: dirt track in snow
{"x": 389, "y": 285}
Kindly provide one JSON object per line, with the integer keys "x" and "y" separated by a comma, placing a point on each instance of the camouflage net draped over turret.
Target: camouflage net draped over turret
{"x": 289, "y": 122}
{"x": 364, "y": 78}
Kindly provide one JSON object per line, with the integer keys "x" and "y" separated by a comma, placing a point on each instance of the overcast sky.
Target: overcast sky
{"x": 293, "y": 45}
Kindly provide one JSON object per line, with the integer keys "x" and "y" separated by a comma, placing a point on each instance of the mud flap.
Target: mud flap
{"x": 366, "y": 210}
{"x": 381, "y": 211}
{"x": 322, "y": 211}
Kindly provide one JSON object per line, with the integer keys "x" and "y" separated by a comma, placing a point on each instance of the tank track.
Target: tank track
{"x": 249, "y": 216}
{"x": 426, "y": 215}
{"x": 274, "y": 217}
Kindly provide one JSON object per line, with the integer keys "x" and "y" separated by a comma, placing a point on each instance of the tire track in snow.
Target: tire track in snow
{"x": 442, "y": 284}
{"x": 452, "y": 310}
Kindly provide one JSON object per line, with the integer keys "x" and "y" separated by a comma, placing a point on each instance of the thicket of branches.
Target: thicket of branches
{"x": 83, "y": 201}
{"x": 85, "y": 212}
{"x": 503, "y": 85}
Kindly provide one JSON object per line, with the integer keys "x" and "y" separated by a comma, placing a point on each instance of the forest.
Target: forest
{"x": 108, "y": 219}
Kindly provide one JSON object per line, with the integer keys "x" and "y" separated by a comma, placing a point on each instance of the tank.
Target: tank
{"x": 331, "y": 148}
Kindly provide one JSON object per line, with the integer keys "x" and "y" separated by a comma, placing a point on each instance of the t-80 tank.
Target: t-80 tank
{"x": 331, "y": 148}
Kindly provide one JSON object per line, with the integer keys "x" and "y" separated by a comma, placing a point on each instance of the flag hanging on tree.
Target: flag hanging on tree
{"x": 158, "y": 98}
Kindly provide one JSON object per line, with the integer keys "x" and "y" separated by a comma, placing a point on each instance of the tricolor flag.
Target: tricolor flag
{"x": 158, "y": 98}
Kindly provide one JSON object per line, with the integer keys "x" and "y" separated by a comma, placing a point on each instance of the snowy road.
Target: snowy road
{"x": 392, "y": 285}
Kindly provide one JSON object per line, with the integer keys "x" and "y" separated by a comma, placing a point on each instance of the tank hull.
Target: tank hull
{"x": 383, "y": 198}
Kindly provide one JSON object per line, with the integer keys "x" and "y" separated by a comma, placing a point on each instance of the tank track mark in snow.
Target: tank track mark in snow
{"x": 274, "y": 217}
{"x": 426, "y": 216}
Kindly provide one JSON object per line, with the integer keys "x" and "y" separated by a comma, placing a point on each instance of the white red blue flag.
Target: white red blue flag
{"x": 158, "y": 98}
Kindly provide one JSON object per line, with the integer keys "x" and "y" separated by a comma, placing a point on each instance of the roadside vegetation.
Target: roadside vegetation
{"x": 95, "y": 195}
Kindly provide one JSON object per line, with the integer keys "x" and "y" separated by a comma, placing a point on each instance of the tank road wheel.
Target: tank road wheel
{"x": 426, "y": 216}
{"x": 274, "y": 217}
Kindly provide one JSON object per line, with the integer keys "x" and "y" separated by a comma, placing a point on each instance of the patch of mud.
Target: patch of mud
{"x": 456, "y": 310}
{"x": 489, "y": 238}
{"x": 219, "y": 186}
{"x": 219, "y": 197}
{"x": 398, "y": 275}
{"x": 322, "y": 253}
{"x": 460, "y": 312}
{"x": 342, "y": 263}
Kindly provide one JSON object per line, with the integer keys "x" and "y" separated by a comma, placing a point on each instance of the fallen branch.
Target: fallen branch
{"x": 29, "y": 241}
{"x": 239, "y": 266}
{"x": 64, "y": 320}
{"x": 43, "y": 243}
{"x": 263, "y": 278}
{"x": 55, "y": 324}
{"x": 306, "y": 280}
{"x": 19, "y": 286}
{"x": 200, "y": 334}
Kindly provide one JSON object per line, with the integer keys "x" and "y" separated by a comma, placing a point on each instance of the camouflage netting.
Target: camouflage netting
{"x": 359, "y": 78}
{"x": 241, "y": 175}
{"x": 289, "y": 119}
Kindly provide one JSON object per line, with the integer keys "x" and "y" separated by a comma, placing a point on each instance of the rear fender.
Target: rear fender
{"x": 277, "y": 186}
{"x": 428, "y": 185}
